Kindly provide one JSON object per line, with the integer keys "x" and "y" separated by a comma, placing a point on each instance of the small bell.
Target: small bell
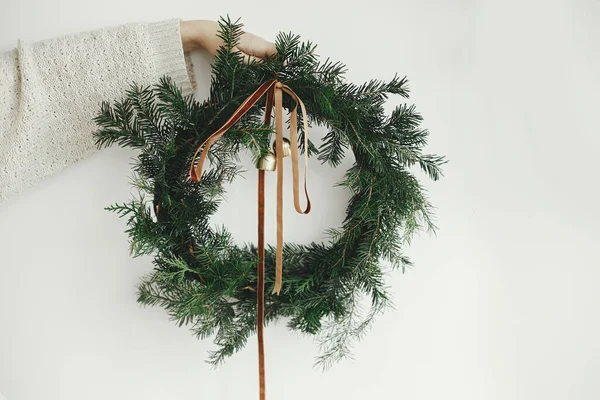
{"x": 267, "y": 162}
{"x": 287, "y": 149}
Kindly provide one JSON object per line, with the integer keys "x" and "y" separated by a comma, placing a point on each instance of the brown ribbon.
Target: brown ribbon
{"x": 274, "y": 91}
{"x": 260, "y": 285}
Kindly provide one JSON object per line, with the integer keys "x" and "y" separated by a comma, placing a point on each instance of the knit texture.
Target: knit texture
{"x": 50, "y": 92}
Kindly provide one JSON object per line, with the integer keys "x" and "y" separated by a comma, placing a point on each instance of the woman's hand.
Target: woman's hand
{"x": 202, "y": 34}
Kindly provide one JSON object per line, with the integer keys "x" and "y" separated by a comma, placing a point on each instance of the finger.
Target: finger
{"x": 247, "y": 57}
{"x": 256, "y": 46}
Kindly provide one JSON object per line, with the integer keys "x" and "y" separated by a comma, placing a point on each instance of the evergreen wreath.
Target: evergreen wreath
{"x": 204, "y": 280}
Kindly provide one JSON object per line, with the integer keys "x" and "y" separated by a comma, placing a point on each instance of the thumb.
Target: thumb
{"x": 247, "y": 57}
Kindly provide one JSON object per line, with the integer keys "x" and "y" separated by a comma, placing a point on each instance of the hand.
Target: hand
{"x": 202, "y": 34}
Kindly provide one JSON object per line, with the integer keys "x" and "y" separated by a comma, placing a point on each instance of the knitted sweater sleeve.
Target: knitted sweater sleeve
{"x": 51, "y": 90}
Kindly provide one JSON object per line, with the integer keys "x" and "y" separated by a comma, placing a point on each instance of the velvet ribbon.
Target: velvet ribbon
{"x": 274, "y": 91}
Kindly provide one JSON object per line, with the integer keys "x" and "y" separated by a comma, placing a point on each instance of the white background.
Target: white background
{"x": 502, "y": 304}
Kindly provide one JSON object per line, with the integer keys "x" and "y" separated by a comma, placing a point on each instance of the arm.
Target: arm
{"x": 51, "y": 90}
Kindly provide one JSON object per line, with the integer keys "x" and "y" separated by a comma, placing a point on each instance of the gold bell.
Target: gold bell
{"x": 267, "y": 162}
{"x": 287, "y": 149}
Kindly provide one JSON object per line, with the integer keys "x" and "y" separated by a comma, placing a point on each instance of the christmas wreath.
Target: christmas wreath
{"x": 201, "y": 277}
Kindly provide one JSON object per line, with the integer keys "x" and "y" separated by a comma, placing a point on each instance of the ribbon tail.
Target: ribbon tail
{"x": 279, "y": 154}
{"x": 260, "y": 285}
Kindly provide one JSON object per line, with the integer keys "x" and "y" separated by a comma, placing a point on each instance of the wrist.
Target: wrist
{"x": 193, "y": 34}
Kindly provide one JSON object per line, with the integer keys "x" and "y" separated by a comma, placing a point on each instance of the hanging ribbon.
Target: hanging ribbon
{"x": 274, "y": 91}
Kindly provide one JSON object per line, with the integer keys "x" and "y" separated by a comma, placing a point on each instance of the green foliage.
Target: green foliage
{"x": 205, "y": 281}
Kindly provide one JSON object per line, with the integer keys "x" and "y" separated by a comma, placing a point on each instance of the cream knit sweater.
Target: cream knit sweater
{"x": 51, "y": 90}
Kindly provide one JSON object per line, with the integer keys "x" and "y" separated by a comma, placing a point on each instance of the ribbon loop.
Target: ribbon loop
{"x": 294, "y": 146}
{"x": 196, "y": 172}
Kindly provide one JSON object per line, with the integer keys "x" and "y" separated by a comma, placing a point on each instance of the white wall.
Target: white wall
{"x": 502, "y": 303}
